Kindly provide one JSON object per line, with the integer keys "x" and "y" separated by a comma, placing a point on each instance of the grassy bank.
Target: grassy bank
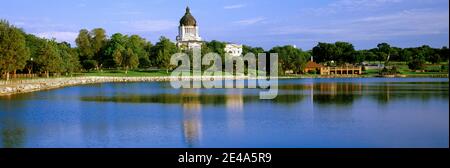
{"x": 162, "y": 73}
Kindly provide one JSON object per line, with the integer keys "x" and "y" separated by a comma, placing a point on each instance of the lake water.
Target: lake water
{"x": 308, "y": 113}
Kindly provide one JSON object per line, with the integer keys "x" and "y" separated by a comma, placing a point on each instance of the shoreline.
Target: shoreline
{"x": 32, "y": 85}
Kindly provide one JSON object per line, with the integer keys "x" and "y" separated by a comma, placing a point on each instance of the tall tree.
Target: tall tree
{"x": 141, "y": 48}
{"x": 125, "y": 58}
{"x": 98, "y": 43}
{"x": 345, "y": 53}
{"x": 163, "y": 50}
{"x": 384, "y": 52}
{"x": 49, "y": 58}
{"x": 324, "y": 52}
{"x": 69, "y": 56}
{"x": 13, "y": 51}
{"x": 290, "y": 58}
{"x": 34, "y": 44}
{"x": 85, "y": 50}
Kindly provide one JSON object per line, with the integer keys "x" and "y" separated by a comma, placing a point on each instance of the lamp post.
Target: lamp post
{"x": 31, "y": 72}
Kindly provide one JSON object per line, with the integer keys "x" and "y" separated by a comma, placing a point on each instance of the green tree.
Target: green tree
{"x": 444, "y": 53}
{"x": 290, "y": 58}
{"x": 163, "y": 50}
{"x": 141, "y": 48}
{"x": 85, "y": 50}
{"x": 117, "y": 41}
{"x": 13, "y": 51}
{"x": 33, "y": 44}
{"x": 360, "y": 56}
{"x": 324, "y": 52}
{"x": 345, "y": 53}
{"x": 98, "y": 40}
{"x": 125, "y": 58}
{"x": 49, "y": 58}
{"x": 69, "y": 56}
{"x": 384, "y": 52}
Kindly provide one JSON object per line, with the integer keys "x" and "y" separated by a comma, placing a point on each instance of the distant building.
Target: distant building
{"x": 188, "y": 33}
{"x": 347, "y": 69}
{"x": 189, "y": 37}
{"x": 312, "y": 66}
{"x": 234, "y": 50}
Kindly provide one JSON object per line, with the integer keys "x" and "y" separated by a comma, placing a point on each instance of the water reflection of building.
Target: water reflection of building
{"x": 331, "y": 102}
{"x": 235, "y": 108}
{"x": 335, "y": 93}
{"x": 192, "y": 120}
{"x": 234, "y": 100}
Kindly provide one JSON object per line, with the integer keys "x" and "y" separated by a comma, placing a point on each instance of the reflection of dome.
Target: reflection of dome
{"x": 188, "y": 19}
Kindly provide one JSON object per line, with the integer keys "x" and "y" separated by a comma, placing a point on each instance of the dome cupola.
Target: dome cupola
{"x": 188, "y": 19}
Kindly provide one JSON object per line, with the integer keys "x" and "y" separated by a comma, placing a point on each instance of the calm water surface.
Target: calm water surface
{"x": 353, "y": 113}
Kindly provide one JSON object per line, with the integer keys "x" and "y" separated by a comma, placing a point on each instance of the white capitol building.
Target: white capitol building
{"x": 189, "y": 37}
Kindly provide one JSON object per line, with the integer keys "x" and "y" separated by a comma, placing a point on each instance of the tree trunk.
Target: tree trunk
{"x": 14, "y": 74}
{"x": 47, "y": 74}
{"x": 7, "y": 76}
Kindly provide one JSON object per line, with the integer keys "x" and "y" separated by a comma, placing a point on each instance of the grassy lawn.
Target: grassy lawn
{"x": 121, "y": 73}
{"x": 402, "y": 67}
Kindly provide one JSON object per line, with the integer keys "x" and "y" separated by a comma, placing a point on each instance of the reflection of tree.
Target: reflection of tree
{"x": 11, "y": 122}
{"x": 202, "y": 99}
{"x": 335, "y": 99}
{"x": 324, "y": 93}
{"x": 13, "y": 138}
{"x": 12, "y": 134}
{"x": 383, "y": 93}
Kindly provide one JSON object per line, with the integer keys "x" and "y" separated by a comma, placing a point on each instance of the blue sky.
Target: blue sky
{"x": 265, "y": 23}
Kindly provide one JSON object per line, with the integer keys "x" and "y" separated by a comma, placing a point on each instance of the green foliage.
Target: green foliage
{"x": 384, "y": 52}
{"x": 84, "y": 45}
{"x": 69, "y": 56}
{"x": 49, "y": 58}
{"x": 19, "y": 51}
{"x": 255, "y": 50}
{"x": 290, "y": 58}
{"x": 339, "y": 52}
{"x": 163, "y": 50}
{"x": 416, "y": 64}
{"x": 121, "y": 43}
{"x": 89, "y": 64}
{"x": 13, "y": 51}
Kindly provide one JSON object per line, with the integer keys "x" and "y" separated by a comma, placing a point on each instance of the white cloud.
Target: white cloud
{"x": 149, "y": 25}
{"x": 361, "y": 4}
{"x": 250, "y": 21}
{"x": 405, "y": 23}
{"x": 350, "y": 6}
{"x": 59, "y": 36}
{"x": 237, "y": 6}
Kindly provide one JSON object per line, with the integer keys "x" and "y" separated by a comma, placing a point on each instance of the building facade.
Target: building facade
{"x": 189, "y": 37}
{"x": 234, "y": 50}
{"x": 188, "y": 32}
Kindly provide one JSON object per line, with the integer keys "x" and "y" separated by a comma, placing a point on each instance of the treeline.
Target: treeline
{"x": 25, "y": 53}
{"x": 343, "y": 52}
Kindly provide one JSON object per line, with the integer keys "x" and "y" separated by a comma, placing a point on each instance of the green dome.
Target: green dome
{"x": 188, "y": 19}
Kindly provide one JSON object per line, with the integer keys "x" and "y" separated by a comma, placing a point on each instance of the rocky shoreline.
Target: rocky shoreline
{"x": 31, "y": 85}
